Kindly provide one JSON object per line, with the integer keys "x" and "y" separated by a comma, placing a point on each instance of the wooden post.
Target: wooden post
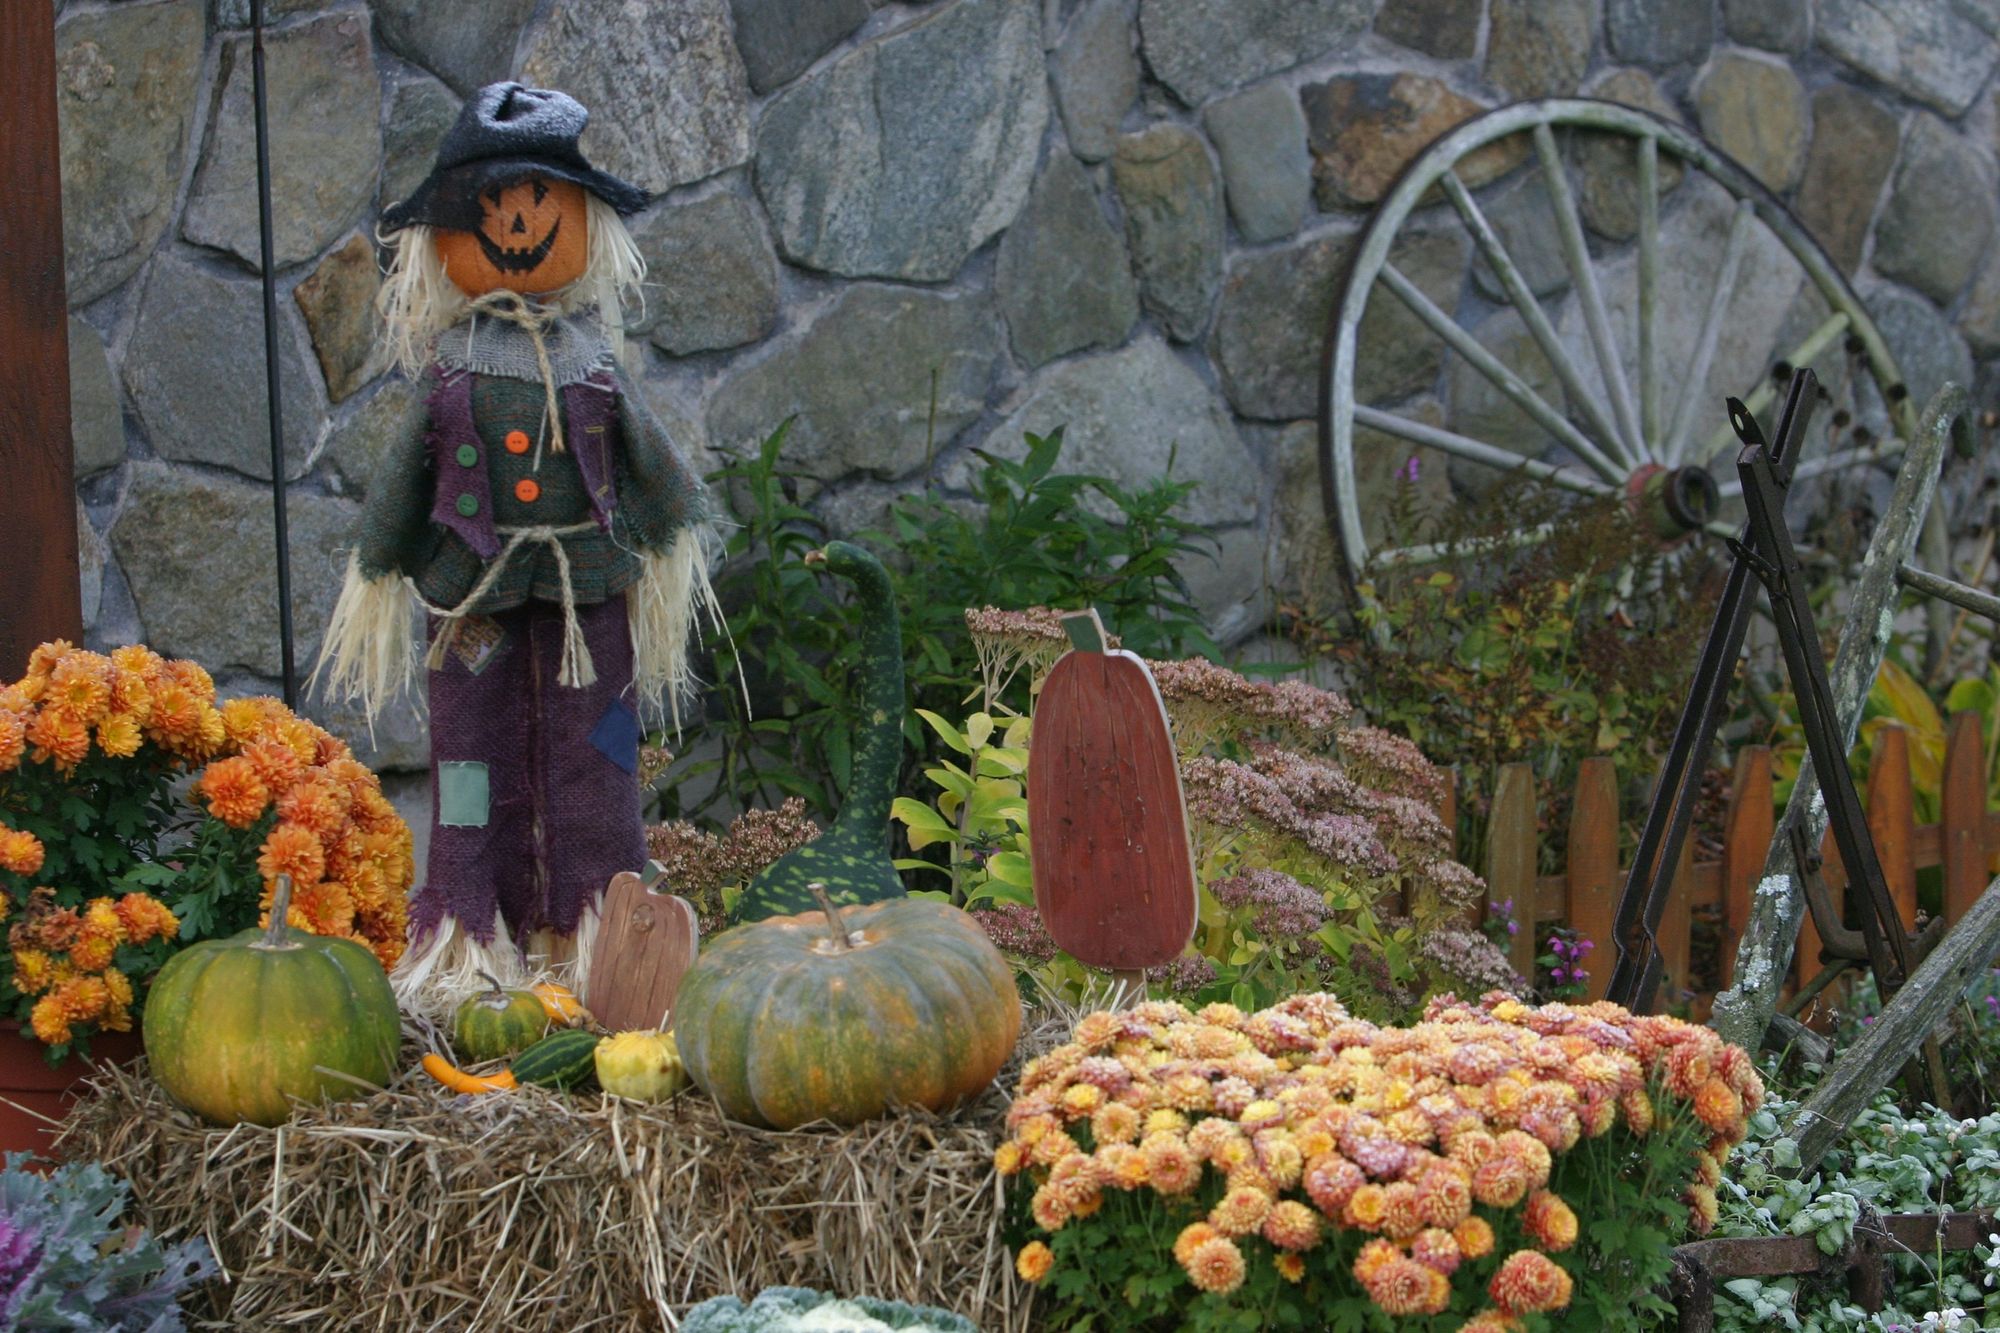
{"x": 1593, "y": 876}
{"x": 1510, "y": 860}
{"x": 1963, "y": 816}
{"x": 43, "y": 599}
{"x": 1746, "y": 841}
{"x": 1868, "y": 1065}
{"x": 1892, "y": 819}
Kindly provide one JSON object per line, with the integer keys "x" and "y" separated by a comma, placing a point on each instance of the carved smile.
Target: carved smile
{"x": 518, "y": 261}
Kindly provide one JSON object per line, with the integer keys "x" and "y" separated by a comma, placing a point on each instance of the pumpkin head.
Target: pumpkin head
{"x": 533, "y": 238}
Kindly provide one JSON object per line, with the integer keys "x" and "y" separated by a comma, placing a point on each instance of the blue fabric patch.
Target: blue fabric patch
{"x": 617, "y": 736}
{"x": 463, "y": 796}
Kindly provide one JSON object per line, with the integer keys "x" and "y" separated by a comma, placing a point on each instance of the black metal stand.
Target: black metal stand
{"x": 1763, "y": 552}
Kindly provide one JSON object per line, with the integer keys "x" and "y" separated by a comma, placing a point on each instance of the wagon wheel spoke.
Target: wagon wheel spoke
{"x": 1532, "y": 314}
{"x": 1825, "y": 463}
{"x": 1626, "y": 440}
{"x": 1691, "y": 403}
{"x": 1428, "y": 552}
{"x": 1767, "y": 392}
{"x": 1477, "y": 451}
{"x": 1509, "y": 383}
{"x": 1649, "y": 267}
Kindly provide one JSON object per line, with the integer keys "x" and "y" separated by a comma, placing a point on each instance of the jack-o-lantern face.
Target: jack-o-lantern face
{"x": 534, "y": 239}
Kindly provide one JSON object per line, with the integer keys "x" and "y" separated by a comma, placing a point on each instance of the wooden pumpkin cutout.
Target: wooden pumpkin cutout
{"x": 646, "y": 942}
{"x": 534, "y": 239}
{"x": 1114, "y": 872}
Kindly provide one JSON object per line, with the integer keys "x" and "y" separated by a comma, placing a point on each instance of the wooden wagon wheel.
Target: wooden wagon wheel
{"x": 1633, "y": 425}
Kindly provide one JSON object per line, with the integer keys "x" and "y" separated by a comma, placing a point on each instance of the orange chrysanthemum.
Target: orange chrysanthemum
{"x": 50, "y": 1021}
{"x": 1550, "y": 1221}
{"x": 80, "y": 688}
{"x": 1291, "y": 1267}
{"x": 1366, "y": 1208}
{"x": 1216, "y": 1266}
{"x": 118, "y": 735}
{"x": 1434, "y": 1247}
{"x": 1717, "y": 1105}
{"x": 145, "y": 917}
{"x": 291, "y": 850}
{"x": 1529, "y": 1283}
{"x": 321, "y": 806}
{"x": 1290, "y": 1225}
{"x": 1402, "y": 1286}
{"x": 1475, "y": 1237}
{"x": 20, "y": 851}
{"x": 1170, "y": 1166}
{"x": 33, "y": 971}
{"x": 235, "y": 793}
{"x": 59, "y": 738}
{"x": 13, "y": 740}
{"x": 1034, "y": 1261}
{"x": 1240, "y": 1212}
{"x": 1193, "y": 1236}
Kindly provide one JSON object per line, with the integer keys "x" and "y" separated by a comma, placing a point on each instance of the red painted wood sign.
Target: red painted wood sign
{"x": 1114, "y": 873}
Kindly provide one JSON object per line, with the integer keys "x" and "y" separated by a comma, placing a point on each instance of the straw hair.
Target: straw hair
{"x": 369, "y": 653}
{"x": 415, "y": 1209}
{"x": 447, "y": 965}
{"x": 419, "y": 300}
{"x": 673, "y": 589}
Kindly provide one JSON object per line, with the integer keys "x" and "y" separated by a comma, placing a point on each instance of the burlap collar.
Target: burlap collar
{"x": 485, "y": 345}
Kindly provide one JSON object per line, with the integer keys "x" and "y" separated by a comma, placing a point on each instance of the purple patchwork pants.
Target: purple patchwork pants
{"x": 534, "y": 788}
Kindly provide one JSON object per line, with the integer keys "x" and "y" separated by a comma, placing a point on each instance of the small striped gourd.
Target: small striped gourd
{"x": 560, "y": 1060}
{"x": 497, "y": 1022}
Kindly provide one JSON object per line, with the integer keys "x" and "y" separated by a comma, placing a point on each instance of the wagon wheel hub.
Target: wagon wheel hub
{"x": 1674, "y": 503}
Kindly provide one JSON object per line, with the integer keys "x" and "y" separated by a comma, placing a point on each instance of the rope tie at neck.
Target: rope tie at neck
{"x": 514, "y": 308}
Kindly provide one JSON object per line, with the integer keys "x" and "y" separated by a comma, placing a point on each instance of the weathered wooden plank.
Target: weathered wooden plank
{"x": 646, "y": 942}
{"x": 1510, "y": 859}
{"x": 1918, "y": 1007}
{"x": 1892, "y": 819}
{"x": 1114, "y": 876}
{"x": 1593, "y": 880}
{"x": 1806, "y": 960}
{"x": 1746, "y": 842}
{"x": 1744, "y": 1010}
{"x": 1963, "y": 816}
{"x": 42, "y": 599}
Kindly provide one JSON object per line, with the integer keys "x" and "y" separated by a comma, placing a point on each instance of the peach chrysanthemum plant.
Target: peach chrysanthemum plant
{"x": 138, "y": 814}
{"x": 1492, "y": 1167}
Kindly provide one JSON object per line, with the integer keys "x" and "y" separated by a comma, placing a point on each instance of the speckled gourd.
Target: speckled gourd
{"x": 852, "y": 857}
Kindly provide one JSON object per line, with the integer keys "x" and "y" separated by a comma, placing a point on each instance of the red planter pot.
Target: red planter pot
{"x": 32, "y": 1095}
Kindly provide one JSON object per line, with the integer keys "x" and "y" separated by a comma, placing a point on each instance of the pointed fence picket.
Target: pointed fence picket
{"x": 1963, "y": 844}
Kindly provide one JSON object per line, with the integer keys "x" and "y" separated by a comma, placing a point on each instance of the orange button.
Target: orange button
{"x": 517, "y": 442}
{"x": 527, "y": 490}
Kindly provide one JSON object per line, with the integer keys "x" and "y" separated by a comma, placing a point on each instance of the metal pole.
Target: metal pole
{"x": 271, "y": 353}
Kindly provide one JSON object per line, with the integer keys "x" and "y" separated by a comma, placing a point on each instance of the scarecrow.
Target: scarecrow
{"x": 552, "y": 534}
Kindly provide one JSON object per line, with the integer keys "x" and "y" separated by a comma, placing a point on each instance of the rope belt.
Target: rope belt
{"x": 577, "y": 669}
{"x": 513, "y": 308}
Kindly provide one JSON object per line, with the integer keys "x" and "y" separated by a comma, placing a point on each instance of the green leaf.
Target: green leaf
{"x": 925, "y": 824}
{"x": 946, "y": 731}
{"x": 1011, "y": 868}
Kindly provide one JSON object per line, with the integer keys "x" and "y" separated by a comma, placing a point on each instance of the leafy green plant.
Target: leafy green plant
{"x": 67, "y": 1262}
{"x": 1543, "y": 653}
{"x": 981, "y": 815}
{"x": 782, "y": 711}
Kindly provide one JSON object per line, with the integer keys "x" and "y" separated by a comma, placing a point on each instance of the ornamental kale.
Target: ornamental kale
{"x": 781, "y": 1309}
{"x": 67, "y": 1263}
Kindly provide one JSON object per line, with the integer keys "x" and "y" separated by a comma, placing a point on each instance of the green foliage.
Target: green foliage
{"x": 1889, "y": 1162}
{"x": 784, "y": 706}
{"x": 67, "y": 1262}
{"x": 1544, "y": 653}
{"x": 981, "y": 815}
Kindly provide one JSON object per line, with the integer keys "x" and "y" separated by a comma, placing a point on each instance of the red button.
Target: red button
{"x": 517, "y": 442}
{"x": 527, "y": 490}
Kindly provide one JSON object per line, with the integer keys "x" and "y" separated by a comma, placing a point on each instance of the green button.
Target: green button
{"x": 467, "y": 455}
{"x": 468, "y": 504}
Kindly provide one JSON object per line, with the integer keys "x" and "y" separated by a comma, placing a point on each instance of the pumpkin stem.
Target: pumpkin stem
{"x": 1086, "y": 631}
{"x": 838, "y": 927}
{"x": 493, "y": 983}
{"x": 281, "y": 903}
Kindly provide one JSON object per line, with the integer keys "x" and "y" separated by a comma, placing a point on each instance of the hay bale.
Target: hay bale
{"x": 416, "y": 1209}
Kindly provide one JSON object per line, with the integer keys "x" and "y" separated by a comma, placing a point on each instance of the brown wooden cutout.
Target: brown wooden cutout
{"x": 646, "y": 942}
{"x": 1114, "y": 873}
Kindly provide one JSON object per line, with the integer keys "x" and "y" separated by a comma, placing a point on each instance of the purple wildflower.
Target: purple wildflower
{"x": 1411, "y": 469}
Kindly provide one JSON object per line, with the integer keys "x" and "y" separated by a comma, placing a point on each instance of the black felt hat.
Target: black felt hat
{"x": 507, "y": 132}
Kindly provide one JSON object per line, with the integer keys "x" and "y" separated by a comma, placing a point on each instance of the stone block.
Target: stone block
{"x": 1754, "y": 109}
{"x": 1939, "y": 220}
{"x": 1063, "y": 278}
{"x": 338, "y": 303}
{"x": 1173, "y": 220}
{"x": 1853, "y": 146}
{"x": 713, "y": 276}
{"x": 1096, "y": 73}
{"x": 1260, "y": 136}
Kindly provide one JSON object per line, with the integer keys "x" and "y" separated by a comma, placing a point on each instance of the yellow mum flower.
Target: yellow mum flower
{"x": 32, "y": 971}
{"x": 118, "y": 735}
{"x": 1034, "y": 1261}
{"x": 1165, "y": 1121}
{"x": 1007, "y": 1158}
{"x": 1240, "y": 1212}
{"x": 1080, "y": 1099}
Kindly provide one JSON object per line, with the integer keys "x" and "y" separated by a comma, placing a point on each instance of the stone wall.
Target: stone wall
{"x": 927, "y": 227}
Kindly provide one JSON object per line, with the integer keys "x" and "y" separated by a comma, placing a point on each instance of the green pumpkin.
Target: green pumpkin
{"x": 852, "y": 857}
{"x": 843, "y": 1013}
{"x": 563, "y": 1059}
{"x": 497, "y": 1023}
{"x": 238, "y": 1029}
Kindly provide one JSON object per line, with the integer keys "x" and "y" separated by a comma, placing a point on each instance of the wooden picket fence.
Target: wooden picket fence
{"x": 1963, "y": 842}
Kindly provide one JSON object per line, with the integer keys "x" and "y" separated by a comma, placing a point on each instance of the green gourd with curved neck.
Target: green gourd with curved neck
{"x": 852, "y": 857}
